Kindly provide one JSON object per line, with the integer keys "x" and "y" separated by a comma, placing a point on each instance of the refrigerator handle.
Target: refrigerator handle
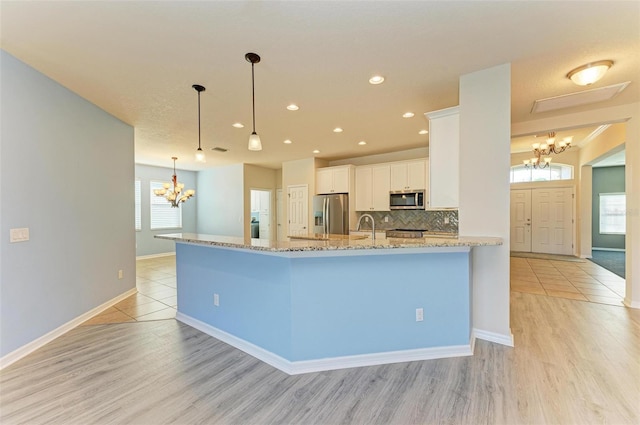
{"x": 326, "y": 216}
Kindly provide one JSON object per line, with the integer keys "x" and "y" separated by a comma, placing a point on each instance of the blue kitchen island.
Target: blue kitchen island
{"x": 312, "y": 305}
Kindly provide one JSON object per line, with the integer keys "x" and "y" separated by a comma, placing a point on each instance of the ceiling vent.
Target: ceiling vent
{"x": 219, "y": 149}
{"x": 576, "y": 99}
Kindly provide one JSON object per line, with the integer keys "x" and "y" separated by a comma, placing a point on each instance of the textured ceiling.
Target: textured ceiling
{"x": 138, "y": 60}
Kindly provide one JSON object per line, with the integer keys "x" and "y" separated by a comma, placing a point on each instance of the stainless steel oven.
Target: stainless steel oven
{"x": 407, "y": 200}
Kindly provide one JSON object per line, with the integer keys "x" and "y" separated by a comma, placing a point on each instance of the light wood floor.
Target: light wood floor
{"x": 574, "y": 362}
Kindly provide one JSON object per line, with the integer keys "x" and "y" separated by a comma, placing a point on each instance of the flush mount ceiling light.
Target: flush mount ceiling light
{"x": 171, "y": 191}
{"x": 199, "y": 153}
{"x": 408, "y": 115}
{"x": 254, "y": 140}
{"x": 337, "y": 130}
{"x": 238, "y": 125}
{"x": 293, "y": 107}
{"x": 590, "y": 73}
{"x": 423, "y": 132}
{"x": 376, "y": 79}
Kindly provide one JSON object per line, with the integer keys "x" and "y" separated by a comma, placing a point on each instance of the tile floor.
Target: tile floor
{"x": 156, "y": 298}
{"x": 578, "y": 280}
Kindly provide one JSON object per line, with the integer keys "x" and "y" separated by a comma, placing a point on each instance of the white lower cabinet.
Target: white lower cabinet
{"x": 372, "y": 188}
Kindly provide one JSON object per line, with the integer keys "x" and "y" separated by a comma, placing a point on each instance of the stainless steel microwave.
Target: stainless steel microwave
{"x": 407, "y": 200}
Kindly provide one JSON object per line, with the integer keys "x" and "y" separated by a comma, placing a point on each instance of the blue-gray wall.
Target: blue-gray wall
{"x": 221, "y": 202}
{"x": 66, "y": 173}
{"x": 605, "y": 180}
{"x": 146, "y": 244}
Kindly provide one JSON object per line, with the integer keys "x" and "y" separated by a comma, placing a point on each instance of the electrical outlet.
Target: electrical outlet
{"x": 446, "y": 220}
{"x": 216, "y": 300}
{"x": 386, "y": 218}
{"x": 366, "y": 219}
{"x": 419, "y": 314}
{"x": 120, "y": 274}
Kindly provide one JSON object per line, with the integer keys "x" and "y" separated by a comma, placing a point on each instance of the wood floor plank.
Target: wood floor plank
{"x": 574, "y": 363}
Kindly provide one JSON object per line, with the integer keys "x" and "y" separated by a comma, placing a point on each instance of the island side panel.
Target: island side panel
{"x": 254, "y": 293}
{"x": 367, "y": 304}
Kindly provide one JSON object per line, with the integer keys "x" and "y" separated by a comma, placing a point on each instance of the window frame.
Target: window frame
{"x": 605, "y": 195}
{"x": 554, "y": 168}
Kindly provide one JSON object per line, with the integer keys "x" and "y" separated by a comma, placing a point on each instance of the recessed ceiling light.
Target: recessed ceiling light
{"x": 423, "y": 132}
{"x": 238, "y": 125}
{"x": 376, "y": 79}
{"x": 362, "y": 142}
{"x": 316, "y": 151}
{"x": 287, "y": 142}
{"x": 408, "y": 115}
{"x": 337, "y": 130}
{"x": 293, "y": 107}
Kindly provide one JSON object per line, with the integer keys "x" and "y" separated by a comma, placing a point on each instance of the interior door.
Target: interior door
{"x": 552, "y": 221}
{"x": 521, "y": 220}
{"x": 279, "y": 215}
{"x": 298, "y": 210}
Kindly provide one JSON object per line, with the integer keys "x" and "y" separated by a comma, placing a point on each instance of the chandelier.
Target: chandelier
{"x": 174, "y": 194}
{"x": 545, "y": 149}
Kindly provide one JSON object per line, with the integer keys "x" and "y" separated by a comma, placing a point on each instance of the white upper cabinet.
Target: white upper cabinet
{"x": 409, "y": 175}
{"x": 372, "y": 188}
{"x": 333, "y": 180}
{"x": 444, "y": 155}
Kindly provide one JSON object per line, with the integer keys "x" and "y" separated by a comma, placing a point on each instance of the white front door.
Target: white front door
{"x": 521, "y": 220}
{"x": 298, "y": 209}
{"x": 552, "y": 221}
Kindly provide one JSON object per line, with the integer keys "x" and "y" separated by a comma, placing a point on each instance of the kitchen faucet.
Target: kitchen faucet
{"x": 373, "y": 225}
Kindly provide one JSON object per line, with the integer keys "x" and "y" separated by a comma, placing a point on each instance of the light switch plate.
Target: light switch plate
{"x": 19, "y": 235}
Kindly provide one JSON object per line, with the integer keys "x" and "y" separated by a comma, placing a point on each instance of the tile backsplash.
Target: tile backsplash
{"x": 432, "y": 220}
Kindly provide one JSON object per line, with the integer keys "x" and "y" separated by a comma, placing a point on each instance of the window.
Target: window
{"x": 163, "y": 215}
{"x": 138, "y": 196}
{"x": 522, "y": 174}
{"x": 613, "y": 208}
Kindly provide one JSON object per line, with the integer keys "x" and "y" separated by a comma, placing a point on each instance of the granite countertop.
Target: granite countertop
{"x": 333, "y": 242}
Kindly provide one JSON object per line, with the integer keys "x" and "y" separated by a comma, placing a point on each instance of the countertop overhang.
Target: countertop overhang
{"x": 337, "y": 243}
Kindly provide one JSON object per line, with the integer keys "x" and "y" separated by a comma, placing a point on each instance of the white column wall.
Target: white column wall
{"x": 632, "y": 187}
{"x": 485, "y": 135}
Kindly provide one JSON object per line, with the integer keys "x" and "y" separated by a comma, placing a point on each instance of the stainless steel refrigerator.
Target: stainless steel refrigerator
{"x": 331, "y": 214}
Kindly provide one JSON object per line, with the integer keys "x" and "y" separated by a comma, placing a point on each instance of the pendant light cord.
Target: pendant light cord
{"x": 199, "y": 148}
{"x": 253, "y": 98}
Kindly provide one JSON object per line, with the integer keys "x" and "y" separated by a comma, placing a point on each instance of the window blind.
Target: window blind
{"x": 163, "y": 215}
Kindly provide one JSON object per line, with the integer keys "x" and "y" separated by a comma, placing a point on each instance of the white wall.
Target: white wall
{"x": 220, "y": 206}
{"x": 146, "y": 243}
{"x": 485, "y": 135}
{"x": 67, "y": 174}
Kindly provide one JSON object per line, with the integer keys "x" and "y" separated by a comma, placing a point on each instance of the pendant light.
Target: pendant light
{"x": 199, "y": 153}
{"x": 254, "y": 140}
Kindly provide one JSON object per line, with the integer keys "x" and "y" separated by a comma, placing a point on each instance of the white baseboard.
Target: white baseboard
{"x": 608, "y": 249}
{"x": 162, "y": 254}
{"x": 493, "y": 337}
{"x": 331, "y": 363}
{"x": 32, "y": 346}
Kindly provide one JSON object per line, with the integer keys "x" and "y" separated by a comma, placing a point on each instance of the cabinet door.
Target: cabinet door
{"x": 416, "y": 178}
{"x": 364, "y": 189}
{"x": 340, "y": 180}
{"x": 399, "y": 176}
{"x": 381, "y": 177}
{"x": 324, "y": 181}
